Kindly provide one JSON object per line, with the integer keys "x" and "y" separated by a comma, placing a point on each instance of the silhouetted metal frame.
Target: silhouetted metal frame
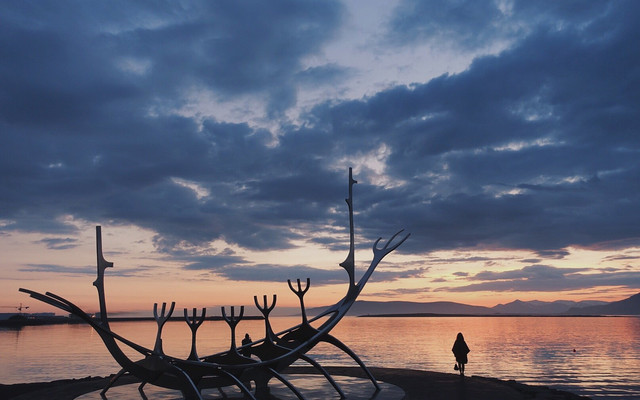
{"x": 274, "y": 352}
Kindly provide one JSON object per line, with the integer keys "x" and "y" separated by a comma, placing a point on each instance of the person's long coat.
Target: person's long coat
{"x": 460, "y": 350}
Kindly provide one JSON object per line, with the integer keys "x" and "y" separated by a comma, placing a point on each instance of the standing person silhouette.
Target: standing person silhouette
{"x": 460, "y": 350}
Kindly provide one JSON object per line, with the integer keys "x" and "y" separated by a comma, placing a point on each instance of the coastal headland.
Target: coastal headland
{"x": 417, "y": 385}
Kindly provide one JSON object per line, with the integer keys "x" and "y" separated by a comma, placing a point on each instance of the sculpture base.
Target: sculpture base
{"x": 311, "y": 387}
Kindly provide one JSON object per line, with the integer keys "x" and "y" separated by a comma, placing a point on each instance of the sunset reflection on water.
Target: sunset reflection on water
{"x": 535, "y": 350}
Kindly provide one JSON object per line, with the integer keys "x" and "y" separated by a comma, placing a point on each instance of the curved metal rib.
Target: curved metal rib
{"x": 287, "y": 383}
{"x": 331, "y": 339}
{"x": 324, "y": 372}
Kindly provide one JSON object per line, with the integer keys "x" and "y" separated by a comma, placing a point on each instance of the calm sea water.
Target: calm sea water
{"x": 533, "y": 350}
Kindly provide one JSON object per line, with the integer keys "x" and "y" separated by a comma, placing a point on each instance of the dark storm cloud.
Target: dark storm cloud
{"x": 532, "y": 271}
{"x": 145, "y": 55}
{"x": 211, "y": 262}
{"x": 481, "y": 23}
{"x": 553, "y": 254}
{"x": 621, "y": 257}
{"x": 403, "y": 291}
{"x": 26, "y": 221}
{"x": 59, "y": 243}
{"x": 71, "y": 271}
{"x": 234, "y": 267}
{"x": 532, "y": 148}
{"x": 541, "y": 278}
{"x": 317, "y": 276}
{"x": 468, "y": 23}
{"x": 278, "y": 273}
{"x": 459, "y": 260}
{"x": 323, "y": 74}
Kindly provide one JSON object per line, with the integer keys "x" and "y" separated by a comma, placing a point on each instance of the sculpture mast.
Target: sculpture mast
{"x": 349, "y": 263}
{"x": 102, "y": 264}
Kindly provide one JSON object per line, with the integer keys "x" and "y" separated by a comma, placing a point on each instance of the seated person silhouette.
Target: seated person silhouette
{"x": 246, "y": 351}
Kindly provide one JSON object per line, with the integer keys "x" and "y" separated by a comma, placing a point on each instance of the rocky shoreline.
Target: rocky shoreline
{"x": 417, "y": 385}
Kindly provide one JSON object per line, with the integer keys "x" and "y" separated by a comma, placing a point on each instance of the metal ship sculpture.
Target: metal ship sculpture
{"x": 257, "y": 362}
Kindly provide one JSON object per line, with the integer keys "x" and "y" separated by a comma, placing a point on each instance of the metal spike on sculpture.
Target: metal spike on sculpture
{"x": 273, "y": 353}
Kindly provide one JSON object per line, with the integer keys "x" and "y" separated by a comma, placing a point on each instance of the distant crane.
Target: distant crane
{"x": 19, "y": 308}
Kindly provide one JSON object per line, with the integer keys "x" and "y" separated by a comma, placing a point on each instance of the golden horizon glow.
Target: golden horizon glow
{"x": 142, "y": 277}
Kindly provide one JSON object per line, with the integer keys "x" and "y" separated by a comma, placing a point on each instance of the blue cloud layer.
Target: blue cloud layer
{"x": 534, "y": 147}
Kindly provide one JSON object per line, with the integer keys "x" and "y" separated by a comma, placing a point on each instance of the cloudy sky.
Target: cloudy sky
{"x": 212, "y": 141}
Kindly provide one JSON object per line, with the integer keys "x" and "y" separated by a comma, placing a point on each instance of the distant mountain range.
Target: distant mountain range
{"x": 630, "y": 306}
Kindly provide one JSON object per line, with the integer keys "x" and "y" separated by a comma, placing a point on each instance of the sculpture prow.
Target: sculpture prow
{"x": 276, "y": 351}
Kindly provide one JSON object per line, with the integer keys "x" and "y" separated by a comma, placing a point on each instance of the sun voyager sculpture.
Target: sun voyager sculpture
{"x": 257, "y": 362}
